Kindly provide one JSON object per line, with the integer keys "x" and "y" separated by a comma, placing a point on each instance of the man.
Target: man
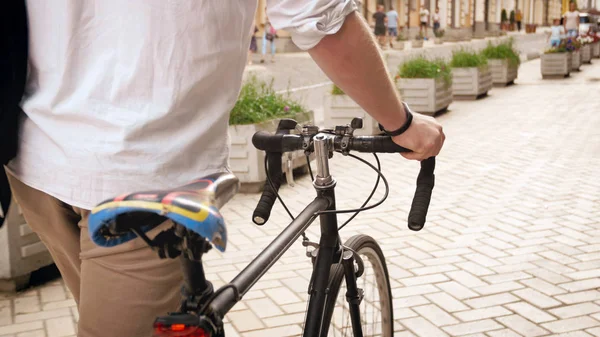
{"x": 135, "y": 95}
{"x": 424, "y": 18}
{"x": 392, "y": 24}
{"x": 380, "y": 24}
{"x": 436, "y": 20}
{"x": 571, "y": 20}
{"x": 519, "y": 19}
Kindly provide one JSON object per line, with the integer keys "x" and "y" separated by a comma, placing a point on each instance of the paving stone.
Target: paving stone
{"x": 422, "y": 328}
{"x": 472, "y": 327}
{"x": 530, "y": 312}
{"x": 536, "y": 298}
{"x": 447, "y": 302}
{"x": 436, "y": 315}
{"x": 522, "y": 326}
{"x": 491, "y": 300}
{"x": 571, "y": 324}
{"x": 575, "y": 310}
{"x": 60, "y": 327}
{"x": 479, "y": 314}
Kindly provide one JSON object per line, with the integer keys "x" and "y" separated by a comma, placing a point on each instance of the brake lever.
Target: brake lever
{"x": 289, "y": 170}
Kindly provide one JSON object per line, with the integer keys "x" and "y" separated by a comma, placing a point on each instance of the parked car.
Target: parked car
{"x": 588, "y": 23}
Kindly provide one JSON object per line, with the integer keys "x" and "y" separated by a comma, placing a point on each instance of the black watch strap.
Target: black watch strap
{"x": 404, "y": 127}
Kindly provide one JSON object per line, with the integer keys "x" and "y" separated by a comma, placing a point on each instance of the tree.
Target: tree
{"x": 503, "y": 16}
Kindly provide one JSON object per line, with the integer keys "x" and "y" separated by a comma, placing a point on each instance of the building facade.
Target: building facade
{"x": 480, "y": 14}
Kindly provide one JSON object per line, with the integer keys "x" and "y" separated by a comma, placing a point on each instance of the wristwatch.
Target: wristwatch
{"x": 404, "y": 127}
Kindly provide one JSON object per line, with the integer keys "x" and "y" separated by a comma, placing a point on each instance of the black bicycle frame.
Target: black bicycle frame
{"x": 329, "y": 253}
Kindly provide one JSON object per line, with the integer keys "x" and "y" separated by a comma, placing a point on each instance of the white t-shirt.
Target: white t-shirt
{"x": 424, "y": 14}
{"x": 135, "y": 95}
{"x": 435, "y": 17}
{"x": 557, "y": 32}
{"x": 572, "y": 18}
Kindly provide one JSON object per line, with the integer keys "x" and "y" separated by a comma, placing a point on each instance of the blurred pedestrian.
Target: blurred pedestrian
{"x": 380, "y": 25}
{"x": 518, "y": 19}
{"x": 269, "y": 35}
{"x": 572, "y": 20}
{"x": 424, "y": 14}
{"x": 253, "y": 45}
{"x": 436, "y": 18}
{"x": 557, "y": 33}
{"x": 392, "y": 24}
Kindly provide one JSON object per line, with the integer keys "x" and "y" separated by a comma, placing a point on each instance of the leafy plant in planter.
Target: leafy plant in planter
{"x": 471, "y": 75}
{"x": 426, "y": 85}
{"x": 400, "y": 37}
{"x": 258, "y": 108}
{"x": 258, "y": 102}
{"x": 504, "y": 61}
{"x": 502, "y": 51}
{"x": 467, "y": 59}
{"x": 512, "y": 20}
{"x": 419, "y": 36}
{"x": 421, "y": 67}
{"x": 556, "y": 62}
{"x": 439, "y": 33}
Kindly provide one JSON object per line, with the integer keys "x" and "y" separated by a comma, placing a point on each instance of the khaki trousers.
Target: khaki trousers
{"x": 120, "y": 290}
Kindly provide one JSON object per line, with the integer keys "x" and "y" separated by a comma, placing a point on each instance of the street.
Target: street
{"x": 511, "y": 246}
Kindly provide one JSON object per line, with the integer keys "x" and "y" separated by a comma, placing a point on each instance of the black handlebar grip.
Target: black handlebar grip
{"x": 420, "y": 204}
{"x": 268, "y": 142}
{"x": 269, "y": 195}
{"x": 278, "y": 142}
{"x": 376, "y": 144}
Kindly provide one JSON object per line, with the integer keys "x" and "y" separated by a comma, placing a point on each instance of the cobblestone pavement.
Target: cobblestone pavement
{"x": 511, "y": 248}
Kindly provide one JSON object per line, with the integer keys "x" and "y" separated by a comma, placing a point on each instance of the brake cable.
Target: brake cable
{"x": 356, "y": 211}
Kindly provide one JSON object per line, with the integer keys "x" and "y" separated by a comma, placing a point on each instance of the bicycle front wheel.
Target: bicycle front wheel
{"x": 376, "y": 311}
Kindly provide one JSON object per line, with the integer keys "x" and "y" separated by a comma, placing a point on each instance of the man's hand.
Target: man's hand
{"x": 352, "y": 60}
{"x": 424, "y": 136}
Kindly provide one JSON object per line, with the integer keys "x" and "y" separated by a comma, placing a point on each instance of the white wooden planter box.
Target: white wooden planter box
{"x": 417, "y": 43}
{"x": 556, "y": 65}
{"x": 438, "y": 40}
{"x": 596, "y": 49}
{"x": 502, "y": 72}
{"x": 425, "y": 95}
{"x": 576, "y": 60}
{"x": 470, "y": 83}
{"x": 586, "y": 54}
{"x": 398, "y": 45}
{"x": 247, "y": 163}
{"x": 21, "y": 251}
{"x": 340, "y": 109}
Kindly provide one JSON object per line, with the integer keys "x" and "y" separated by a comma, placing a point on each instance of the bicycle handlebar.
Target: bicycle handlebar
{"x": 276, "y": 144}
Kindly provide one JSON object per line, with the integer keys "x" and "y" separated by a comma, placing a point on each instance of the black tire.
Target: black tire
{"x": 372, "y": 256}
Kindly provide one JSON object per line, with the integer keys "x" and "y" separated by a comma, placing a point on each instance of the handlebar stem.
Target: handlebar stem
{"x": 323, "y": 144}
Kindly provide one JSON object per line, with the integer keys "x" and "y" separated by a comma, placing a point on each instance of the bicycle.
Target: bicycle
{"x": 198, "y": 225}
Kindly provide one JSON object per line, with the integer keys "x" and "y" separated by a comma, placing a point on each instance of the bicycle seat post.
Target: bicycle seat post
{"x": 196, "y": 288}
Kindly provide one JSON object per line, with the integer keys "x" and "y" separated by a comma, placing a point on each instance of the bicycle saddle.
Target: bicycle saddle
{"x": 194, "y": 206}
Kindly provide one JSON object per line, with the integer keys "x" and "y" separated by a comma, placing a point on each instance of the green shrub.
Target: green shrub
{"x": 502, "y": 51}
{"x": 421, "y": 67}
{"x": 512, "y": 16}
{"x": 439, "y": 33}
{"x": 258, "y": 102}
{"x": 467, "y": 59}
{"x": 503, "y": 16}
{"x": 335, "y": 90}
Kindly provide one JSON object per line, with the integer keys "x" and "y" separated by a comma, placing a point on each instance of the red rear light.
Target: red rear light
{"x": 178, "y": 330}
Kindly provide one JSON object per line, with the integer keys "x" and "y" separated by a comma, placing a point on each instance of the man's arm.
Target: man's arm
{"x": 351, "y": 59}
{"x": 342, "y": 45}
